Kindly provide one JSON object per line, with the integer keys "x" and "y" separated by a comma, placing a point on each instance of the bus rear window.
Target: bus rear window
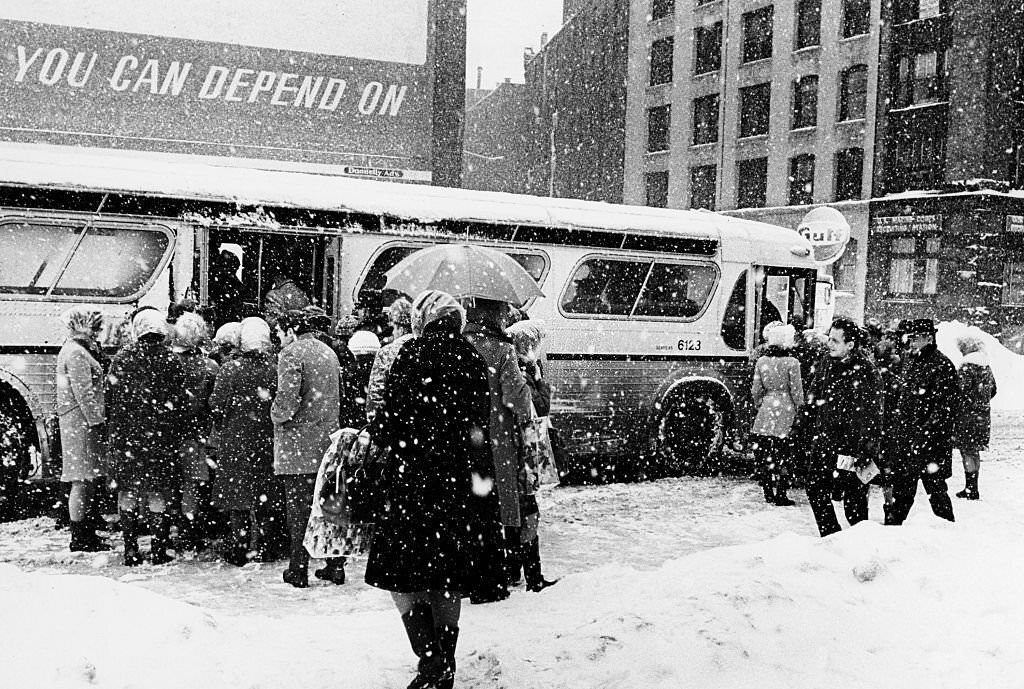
{"x": 105, "y": 263}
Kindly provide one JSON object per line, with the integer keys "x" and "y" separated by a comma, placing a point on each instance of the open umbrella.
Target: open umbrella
{"x": 464, "y": 270}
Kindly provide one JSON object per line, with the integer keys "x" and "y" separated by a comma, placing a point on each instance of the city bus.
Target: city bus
{"x": 651, "y": 315}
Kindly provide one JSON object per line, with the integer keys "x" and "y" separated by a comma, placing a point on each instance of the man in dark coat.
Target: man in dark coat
{"x": 929, "y": 408}
{"x": 305, "y": 413}
{"x": 435, "y": 420}
{"x": 845, "y": 405}
{"x": 145, "y": 401}
{"x": 285, "y": 296}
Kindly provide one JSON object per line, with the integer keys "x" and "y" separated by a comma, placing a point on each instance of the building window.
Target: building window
{"x": 757, "y": 34}
{"x": 805, "y": 101}
{"x": 904, "y": 11}
{"x": 752, "y": 183}
{"x": 919, "y": 78}
{"x": 657, "y": 189}
{"x": 662, "y": 8}
{"x": 849, "y": 173}
{"x": 918, "y": 160}
{"x": 808, "y": 23}
{"x": 853, "y": 93}
{"x": 705, "y": 119}
{"x": 755, "y": 102}
{"x": 844, "y": 271}
{"x": 658, "y": 120}
{"x": 1013, "y": 284}
{"x": 708, "y": 42}
{"x": 801, "y": 179}
{"x": 661, "y": 61}
{"x": 914, "y": 266}
{"x": 703, "y": 180}
{"x": 856, "y": 17}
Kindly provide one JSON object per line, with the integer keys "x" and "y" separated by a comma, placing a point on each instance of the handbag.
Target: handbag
{"x": 333, "y": 529}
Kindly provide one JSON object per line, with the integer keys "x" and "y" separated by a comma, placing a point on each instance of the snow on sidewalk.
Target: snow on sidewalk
{"x": 749, "y": 597}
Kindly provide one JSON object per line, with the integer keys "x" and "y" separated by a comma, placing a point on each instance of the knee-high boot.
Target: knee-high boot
{"x": 447, "y": 640}
{"x": 419, "y": 627}
{"x": 161, "y": 524}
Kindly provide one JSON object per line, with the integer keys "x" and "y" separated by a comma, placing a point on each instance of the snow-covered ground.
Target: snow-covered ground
{"x": 677, "y": 583}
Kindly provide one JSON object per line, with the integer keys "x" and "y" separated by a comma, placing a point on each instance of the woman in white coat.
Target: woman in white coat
{"x": 778, "y": 393}
{"x": 83, "y": 420}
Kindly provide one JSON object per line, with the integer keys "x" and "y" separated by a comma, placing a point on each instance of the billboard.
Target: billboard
{"x": 343, "y": 86}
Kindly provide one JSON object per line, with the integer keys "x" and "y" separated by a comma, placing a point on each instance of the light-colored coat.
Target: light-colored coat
{"x": 80, "y": 407}
{"x": 510, "y": 408}
{"x": 778, "y": 393}
{"x": 305, "y": 410}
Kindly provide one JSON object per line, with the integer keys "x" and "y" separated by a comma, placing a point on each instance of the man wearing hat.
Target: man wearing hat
{"x": 929, "y": 404}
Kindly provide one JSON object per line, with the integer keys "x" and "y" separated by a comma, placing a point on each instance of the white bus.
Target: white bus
{"x": 651, "y": 314}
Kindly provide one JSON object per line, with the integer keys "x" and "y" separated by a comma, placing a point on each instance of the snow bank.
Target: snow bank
{"x": 1007, "y": 366}
{"x": 924, "y": 605}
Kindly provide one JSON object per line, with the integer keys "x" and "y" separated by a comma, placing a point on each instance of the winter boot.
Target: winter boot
{"x": 296, "y": 577}
{"x": 333, "y": 571}
{"x": 130, "y": 533}
{"x": 158, "y": 554}
{"x": 85, "y": 540}
{"x": 769, "y": 493}
{"x": 970, "y": 490}
{"x": 419, "y": 627}
{"x": 530, "y": 554}
{"x": 447, "y": 639}
{"x": 781, "y": 499}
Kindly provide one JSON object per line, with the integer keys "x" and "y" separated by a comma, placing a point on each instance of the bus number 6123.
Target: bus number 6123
{"x": 689, "y": 345}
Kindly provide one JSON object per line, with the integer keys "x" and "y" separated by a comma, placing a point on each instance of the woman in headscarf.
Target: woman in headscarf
{"x": 240, "y": 407}
{"x": 434, "y": 419}
{"x": 974, "y": 419}
{"x": 400, "y": 318}
{"x": 83, "y": 420}
{"x": 145, "y": 403}
{"x": 190, "y": 332}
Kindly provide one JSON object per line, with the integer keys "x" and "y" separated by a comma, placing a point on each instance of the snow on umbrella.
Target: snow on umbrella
{"x": 464, "y": 270}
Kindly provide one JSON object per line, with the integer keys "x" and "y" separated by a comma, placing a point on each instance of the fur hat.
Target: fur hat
{"x": 400, "y": 313}
{"x": 82, "y": 321}
{"x": 781, "y": 336}
{"x": 363, "y": 342}
{"x": 253, "y": 334}
{"x": 433, "y": 305}
{"x": 189, "y": 331}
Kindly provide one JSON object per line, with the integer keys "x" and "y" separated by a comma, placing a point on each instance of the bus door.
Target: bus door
{"x": 782, "y": 294}
{"x": 243, "y": 265}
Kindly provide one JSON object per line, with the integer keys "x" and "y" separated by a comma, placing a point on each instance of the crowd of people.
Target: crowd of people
{"x": 868, "y": 406}
{"x": 213, "y": 440}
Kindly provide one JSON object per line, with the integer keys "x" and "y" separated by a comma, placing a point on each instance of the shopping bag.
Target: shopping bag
{"x": 331, "y": 530}
{"x": 538, "y": 455}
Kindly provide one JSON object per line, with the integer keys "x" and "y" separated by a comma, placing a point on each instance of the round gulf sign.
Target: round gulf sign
{"x": 827, "y": 231}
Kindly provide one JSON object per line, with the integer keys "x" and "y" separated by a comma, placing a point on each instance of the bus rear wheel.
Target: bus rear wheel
{"x": 689, "y": 435}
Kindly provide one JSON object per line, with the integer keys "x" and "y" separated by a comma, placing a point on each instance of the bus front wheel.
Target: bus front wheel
{"x": 689, "y": 434}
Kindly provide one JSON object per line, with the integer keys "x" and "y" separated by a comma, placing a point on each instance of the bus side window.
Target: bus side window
{"x": 605, "y": 286}
{"x": 734, "y": 322}
{"x": 676, "y": 290}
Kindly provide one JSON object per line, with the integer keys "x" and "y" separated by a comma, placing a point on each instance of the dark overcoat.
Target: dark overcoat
{"x": 929, "y": 405}
{"x": 977, "y": 388}
{"x": 435, "y": 420}
{"x": 845, "y": 409}
{"x": 240, "y": 408}
{"x": 145, "y": 399}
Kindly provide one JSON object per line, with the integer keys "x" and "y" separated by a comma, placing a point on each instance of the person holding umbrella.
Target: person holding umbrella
{"x": 491, "y": 281}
